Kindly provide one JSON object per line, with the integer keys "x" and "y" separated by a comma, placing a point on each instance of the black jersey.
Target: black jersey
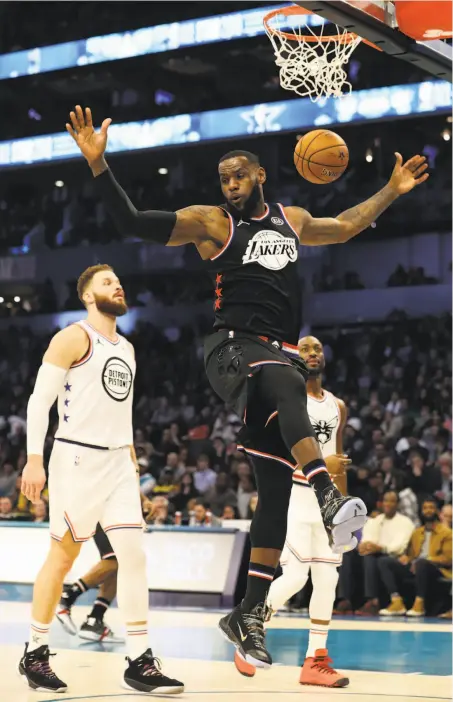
{"x": 257, "y": 287}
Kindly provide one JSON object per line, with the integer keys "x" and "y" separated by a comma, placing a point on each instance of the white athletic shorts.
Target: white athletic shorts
{"x": 87, "y": 486}
{"x": 306, "y": 538}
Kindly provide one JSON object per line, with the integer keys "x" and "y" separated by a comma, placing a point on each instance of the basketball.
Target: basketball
{"x": 321, "y": 156}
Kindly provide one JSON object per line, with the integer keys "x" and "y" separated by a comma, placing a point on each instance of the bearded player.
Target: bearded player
{"x": 251, "y": 249}
{"x": 90, "y": 368}
{"x": 307, "y": 547}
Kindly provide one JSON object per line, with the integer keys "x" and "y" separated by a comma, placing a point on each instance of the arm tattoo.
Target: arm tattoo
{"x": 361, "y": 216}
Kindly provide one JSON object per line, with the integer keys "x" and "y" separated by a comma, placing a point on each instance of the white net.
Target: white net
{"x": 311, "y": 64}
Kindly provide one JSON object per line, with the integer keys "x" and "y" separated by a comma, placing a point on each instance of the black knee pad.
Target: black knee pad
{"x": 274, "y": 483}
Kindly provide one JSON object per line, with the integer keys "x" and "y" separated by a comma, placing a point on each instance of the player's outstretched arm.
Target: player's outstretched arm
{"x": 337, "y": 230}
{"x": 168, "y": 228}
{"x": 66, "y": 347}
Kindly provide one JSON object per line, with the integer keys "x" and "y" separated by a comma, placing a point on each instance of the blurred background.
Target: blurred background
{"x": 181, "y": 96}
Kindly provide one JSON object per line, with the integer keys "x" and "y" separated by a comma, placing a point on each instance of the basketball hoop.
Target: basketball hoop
{"x": 312, "y": 65}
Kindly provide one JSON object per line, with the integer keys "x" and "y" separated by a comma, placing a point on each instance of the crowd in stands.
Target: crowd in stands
{"x": 394, "y": 377}
{"x": 36, "y": 217}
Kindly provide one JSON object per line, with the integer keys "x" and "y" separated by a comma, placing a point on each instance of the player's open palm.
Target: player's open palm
{"x": 407, "y": 175}
{"x": 33, "y": 479}
{"x": 92, "y": 144}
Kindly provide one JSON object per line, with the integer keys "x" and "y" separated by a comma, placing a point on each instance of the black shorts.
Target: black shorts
{"x": 233, "y": 361}
{"x": 103, "y": 544}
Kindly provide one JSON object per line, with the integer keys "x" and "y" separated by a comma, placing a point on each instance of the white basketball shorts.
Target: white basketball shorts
{"x": 87, "y": 486}
{"x": 306, "y": 537}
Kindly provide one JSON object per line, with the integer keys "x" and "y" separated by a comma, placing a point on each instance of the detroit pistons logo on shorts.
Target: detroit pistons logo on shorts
{"x": 271, "y": 250}
{"x": 117, "y": 379}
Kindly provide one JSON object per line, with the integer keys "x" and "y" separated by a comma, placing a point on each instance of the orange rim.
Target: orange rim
{"x": 345, "y": 38}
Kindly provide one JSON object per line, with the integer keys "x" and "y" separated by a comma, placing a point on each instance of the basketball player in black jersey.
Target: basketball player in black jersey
{"x": 251, "y": 249}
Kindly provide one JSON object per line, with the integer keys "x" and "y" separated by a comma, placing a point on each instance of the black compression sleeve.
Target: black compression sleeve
{"x": 151, "y": 225}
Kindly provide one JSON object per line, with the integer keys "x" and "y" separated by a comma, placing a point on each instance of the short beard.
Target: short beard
{"x": 250, "y": 204}
{"x": 110, "y": 307}
{"x": 315, "y": 372}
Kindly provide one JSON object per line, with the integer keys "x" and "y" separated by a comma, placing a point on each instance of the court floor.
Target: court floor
{"x": 398, "y": 660}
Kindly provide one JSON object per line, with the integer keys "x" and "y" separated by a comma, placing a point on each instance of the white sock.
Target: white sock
{"x": 39, "y": 635}
{"x": 137, "y": 640}
{"x": 317, "y": 638}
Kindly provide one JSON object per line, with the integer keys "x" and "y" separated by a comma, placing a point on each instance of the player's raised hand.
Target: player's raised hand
{"x": 92, "y": 144}
{"x": 407, "y": 175}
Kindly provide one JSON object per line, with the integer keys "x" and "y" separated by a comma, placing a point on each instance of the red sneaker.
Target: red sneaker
{"x": 242, "y": 666}
{"x": 317, "y": 671}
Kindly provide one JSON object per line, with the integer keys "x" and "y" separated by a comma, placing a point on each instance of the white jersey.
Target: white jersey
{"x": 325, "y": 419}
{"x": 95, "y": 405}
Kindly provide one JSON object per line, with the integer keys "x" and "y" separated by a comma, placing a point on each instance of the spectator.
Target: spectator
{"x": 359, "y": 485}
{"x": 387, "y": 534}
{"x": 230, "y": 512}
{"x": 146, "y": 480}
{"x": 393, "y": 478}
{"x": 200, "y": 513}
{"x": 427, "y": 561}
{"x": 159, "y": 515}
{"x": 377, "y": 484}
{"x": 39, "y": 511}
{"x": 186, "y": 491}
{"x": 8, "y": 477}
{"x": 165, "y": 484}
{"x": 253, "y": 502}
{"x": 408, "y": 505}
{"x": 204, "y": 477}
{"x": 172, "y": 464}
{"x": 446, "y": 516}
{"x": 422, "y": 478}
{"x": 246, "y": 488}
{"x": 6, "y": 509}
{"x": 221, "y": 494}
{"x": 444, "y": 463}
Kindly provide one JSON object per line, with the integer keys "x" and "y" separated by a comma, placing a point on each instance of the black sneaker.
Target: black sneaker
{"x": 144, "y": 675}
{"x": 342, "y": 516}
{"x": 246, "y": 631}
{"x": 63, "y": 613}
{"x": 95, "y": 630}
{"x": 34, "y": 667}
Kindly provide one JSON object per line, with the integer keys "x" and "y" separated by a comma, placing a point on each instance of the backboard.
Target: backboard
{"x": 377, "y": 21}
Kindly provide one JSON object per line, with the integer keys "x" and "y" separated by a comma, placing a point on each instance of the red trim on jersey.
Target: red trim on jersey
{"x": 76, "y": 538}
{"x": 87, "y": 355}
{"x": 123, "y": 526}
{"x": 261, "y": 454}
{"x": 282, "y": 210}
{"x": 271, "y": 417}
{"x": 266, "y": 214}
{"x": 228, "y": 241}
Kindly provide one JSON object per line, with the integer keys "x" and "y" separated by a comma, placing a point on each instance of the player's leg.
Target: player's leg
{"x": 101, "y": 572}
{"x": 104, "y": 574}
{"x": 34, "y": 665}
{"x": 324, "y": 575}
{"x": 244, "y": 627}
{"x": 293, "y": 579}
{"x": 282, "y": 388}
{"x": 71, "y": 523}
{"x": 122, "y": 522}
